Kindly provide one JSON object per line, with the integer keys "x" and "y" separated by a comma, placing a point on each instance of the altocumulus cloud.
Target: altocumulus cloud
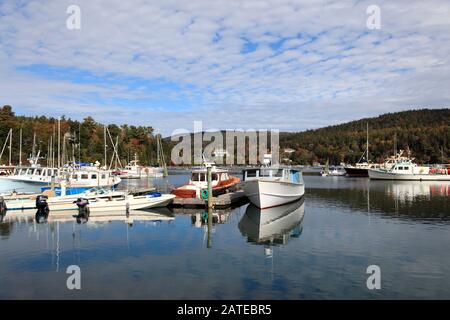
{"x": 290, "y": 65}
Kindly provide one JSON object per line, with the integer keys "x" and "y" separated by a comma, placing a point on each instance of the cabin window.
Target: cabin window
{"x": 251, "y": 174}
{"x": 215, "y": 176}
{"x": 94, "y": 176}
{"x": 195, "y": 176}
{"x": 103, "y": 176}
{"x": 202, "y": 176}
{"x": 75, "y": 176}
{"x": 84, "y": 176}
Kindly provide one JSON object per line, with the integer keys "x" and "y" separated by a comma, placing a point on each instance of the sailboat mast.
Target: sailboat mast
{"x": 367, "y": 143}
{"x": 10, "y": 146}
{"x": 59, "y": 143}
{"x": 20, "y": 147}
{"x": 104, "y": 140}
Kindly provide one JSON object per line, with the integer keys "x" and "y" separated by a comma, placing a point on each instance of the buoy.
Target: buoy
{"x": 204, "y": 194}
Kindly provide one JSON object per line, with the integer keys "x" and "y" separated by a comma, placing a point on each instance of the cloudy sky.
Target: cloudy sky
{"x": 290, "y": 65}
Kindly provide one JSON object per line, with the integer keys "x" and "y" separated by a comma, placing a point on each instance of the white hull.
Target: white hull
{"x": 384, "y": 175}
{"x": 267, "y": 193}
{"x": 75, "y": 184}
{"x": 98, "y": 205}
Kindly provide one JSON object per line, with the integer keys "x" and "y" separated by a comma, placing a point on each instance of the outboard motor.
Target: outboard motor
{"x": 83, "y": 205}
{"x": 3, "y": 206}
{"x": 83, "y": 210}
{"x": 42, "y": 205}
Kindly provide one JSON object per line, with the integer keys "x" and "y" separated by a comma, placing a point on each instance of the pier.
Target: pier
{"x": 227, "y": 200}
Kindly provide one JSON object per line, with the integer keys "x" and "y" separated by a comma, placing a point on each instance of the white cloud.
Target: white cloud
{"x": 328, "y": 67}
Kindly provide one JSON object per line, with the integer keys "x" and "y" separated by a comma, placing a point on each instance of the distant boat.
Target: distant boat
{"x": 360, "y": 169}
{"x": 407, "y": 170}
{"x": 270, "y": 186}
{"x": 135, "y": 171}
{"x": 399, "y": 167}
{"x": 222, "y": 182}
{"x": 332, "y": 171}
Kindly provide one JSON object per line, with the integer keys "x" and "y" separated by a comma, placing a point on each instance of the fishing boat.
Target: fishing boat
{"x": 133, "y": 170}
{"x": 221, "y": 182}
{"x": 408, "y": 170}
{"x": 270, "y": 186}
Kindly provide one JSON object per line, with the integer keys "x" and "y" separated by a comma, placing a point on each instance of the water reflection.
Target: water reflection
{"x": 272, "y": 226}
{"x": 427, "y": 200}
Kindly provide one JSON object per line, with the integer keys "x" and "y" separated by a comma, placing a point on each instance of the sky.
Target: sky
{"x": 265, "y": 64}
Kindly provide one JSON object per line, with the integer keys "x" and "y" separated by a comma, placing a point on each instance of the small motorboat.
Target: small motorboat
{"x": 125, "y": 203}
{"x": 221, "y": 182}
{"x": 27, "y": 201}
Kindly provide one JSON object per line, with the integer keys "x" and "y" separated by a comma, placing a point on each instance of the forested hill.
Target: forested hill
{"x": 87, "y": 134}
{"x": 426, "y": 132}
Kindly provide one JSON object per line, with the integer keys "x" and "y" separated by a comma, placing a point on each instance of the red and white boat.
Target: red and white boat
{"x": 222, "y": 182}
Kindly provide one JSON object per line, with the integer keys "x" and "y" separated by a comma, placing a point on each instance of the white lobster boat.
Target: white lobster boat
{"x": 270, "y": 187}
{"x": 406, "y": 170}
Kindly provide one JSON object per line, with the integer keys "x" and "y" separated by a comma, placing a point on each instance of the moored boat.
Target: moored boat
{"x": 407, "y": 170}
{"x": 221, "y": 182}
{"x": 270, "y": 187}
{"x": 133, "y": 170}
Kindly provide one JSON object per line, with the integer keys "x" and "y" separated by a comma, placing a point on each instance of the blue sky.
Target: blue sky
{"x": 284, "y": 64}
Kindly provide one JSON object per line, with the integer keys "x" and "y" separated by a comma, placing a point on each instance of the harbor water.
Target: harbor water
{"x": 318, "y": 248}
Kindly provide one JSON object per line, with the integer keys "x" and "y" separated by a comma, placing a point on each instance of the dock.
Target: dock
{"x": 223, "y": 201}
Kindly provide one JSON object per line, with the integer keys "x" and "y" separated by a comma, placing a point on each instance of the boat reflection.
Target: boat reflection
{"x": 409, "y": 190}
{"x": 27, "y": 216}
{"x": 273, "y": 226}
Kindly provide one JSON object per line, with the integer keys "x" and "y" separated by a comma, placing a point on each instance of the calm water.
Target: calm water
{"x": 315, "y": 249}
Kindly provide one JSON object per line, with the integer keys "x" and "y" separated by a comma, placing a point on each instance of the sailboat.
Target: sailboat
{"x": 360, "y": 169}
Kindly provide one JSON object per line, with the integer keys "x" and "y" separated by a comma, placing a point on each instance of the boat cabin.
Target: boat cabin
{"x": 200, "y": 177}
{"x": 276, "y": 174}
